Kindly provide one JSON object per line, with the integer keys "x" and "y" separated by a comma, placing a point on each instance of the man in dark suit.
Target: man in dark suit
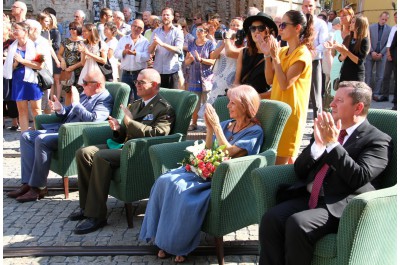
{"x": 344, "y": 159}
{"x": 149, "y": 116}
{"x": 94, "y": 104}
{"x": 379, "y": 34}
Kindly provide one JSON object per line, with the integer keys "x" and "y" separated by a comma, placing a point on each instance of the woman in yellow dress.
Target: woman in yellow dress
{"x": 289, "y": 70}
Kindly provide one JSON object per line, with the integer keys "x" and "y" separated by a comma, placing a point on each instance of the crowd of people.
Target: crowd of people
{"x": 298, "y": 58}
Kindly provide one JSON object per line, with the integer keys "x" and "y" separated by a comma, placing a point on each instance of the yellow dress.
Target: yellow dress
{"x": 296, "y": 97}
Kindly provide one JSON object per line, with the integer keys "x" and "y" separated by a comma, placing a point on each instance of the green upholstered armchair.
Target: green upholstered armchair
{"x": 133, "y": 180}
{"x": 367, "y": 228}
{"x": 70, "y": 134}
{"x": 232, "y": 204}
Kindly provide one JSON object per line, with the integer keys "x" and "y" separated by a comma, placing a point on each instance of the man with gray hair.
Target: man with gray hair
{"x": 18, "y": 11}
{"x": 122, "y": 28}
{"x": 129, "y": 17}
{"x": 79, "y": 16}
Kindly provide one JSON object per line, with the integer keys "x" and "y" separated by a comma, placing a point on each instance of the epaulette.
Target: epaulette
{"x": 163, "y": 101}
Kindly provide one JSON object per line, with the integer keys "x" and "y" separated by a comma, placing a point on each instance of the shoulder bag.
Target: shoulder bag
{"x": 244, "y": 78}
{"x": 45, "y": 79}
{"x": 106, "y": 68}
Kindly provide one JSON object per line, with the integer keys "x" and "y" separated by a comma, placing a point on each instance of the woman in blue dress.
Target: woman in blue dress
{"x": 198, "y": 57}
{"x": 179, "y": 200}
{"x": 19, "y": 65}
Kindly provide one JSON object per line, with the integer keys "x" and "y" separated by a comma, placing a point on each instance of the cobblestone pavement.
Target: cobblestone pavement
{"x": 44, "y": 223}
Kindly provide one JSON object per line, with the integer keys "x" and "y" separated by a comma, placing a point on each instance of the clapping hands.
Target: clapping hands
{"x": 325, "y": 129}
{"x": 55, "y": 105}
{"x": 210, "y": 117}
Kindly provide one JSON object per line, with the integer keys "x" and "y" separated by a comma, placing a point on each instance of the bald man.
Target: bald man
{"x": 149, "y": 116}
{"x": 94, "y": 104}
{"x": 18, "y": 11}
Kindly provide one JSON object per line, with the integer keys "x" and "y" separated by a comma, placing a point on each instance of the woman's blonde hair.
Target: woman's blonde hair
{"x": 41, "y": 18}
{"x": 53, "y": 21}
{"x": 247, "y": 96}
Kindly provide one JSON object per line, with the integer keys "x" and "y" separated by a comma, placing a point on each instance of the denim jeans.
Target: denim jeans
{"x": 128, "y": 78}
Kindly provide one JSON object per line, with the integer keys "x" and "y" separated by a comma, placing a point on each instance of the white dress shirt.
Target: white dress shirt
{"x": 133, "y": 62}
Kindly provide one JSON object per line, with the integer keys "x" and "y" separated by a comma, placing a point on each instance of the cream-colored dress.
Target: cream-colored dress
{"x": 90, "y": 63}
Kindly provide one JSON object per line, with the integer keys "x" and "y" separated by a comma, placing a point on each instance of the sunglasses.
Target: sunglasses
{"x": 141, "y": 82}
{"x": 72, "y": 28}
{"x": 200, "y": 30}
{"x": 283, "y": 25}
{"x": 260, "y": 28}
{"x": 85, "y": 83}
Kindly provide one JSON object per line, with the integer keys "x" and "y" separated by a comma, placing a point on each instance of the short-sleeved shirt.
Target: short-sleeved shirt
{"x": 250, "y": 139}
{"x": 167, "y": 62}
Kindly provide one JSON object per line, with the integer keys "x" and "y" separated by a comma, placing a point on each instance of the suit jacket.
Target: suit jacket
{"x": 95, "y": 108}
{"x": 155, "y": 119}
{"x": 373, "y": 33}
{"x": 354, "y": 167}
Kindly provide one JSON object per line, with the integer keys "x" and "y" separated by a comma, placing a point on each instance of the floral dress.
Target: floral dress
{"x": 72, "y": 56}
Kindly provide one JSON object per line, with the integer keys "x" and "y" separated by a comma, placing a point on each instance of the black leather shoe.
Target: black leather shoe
{"x": 90, "y": 225}
{"x": 77, "y": 216}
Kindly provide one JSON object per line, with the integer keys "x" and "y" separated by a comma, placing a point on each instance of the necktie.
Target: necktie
{"x": 319, "y": 177}
{"x": 380, "y": 31}
{"x": 142, "y": 105}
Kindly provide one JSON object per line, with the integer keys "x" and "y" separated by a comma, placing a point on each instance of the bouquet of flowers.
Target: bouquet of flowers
{"x": 203, "y": 162}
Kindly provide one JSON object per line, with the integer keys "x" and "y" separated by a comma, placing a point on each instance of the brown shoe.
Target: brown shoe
{"x": 18, "y": 192}
{"x": 33, "y": 194}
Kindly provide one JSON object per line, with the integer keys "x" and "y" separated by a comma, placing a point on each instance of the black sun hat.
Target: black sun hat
{"x": 264, "y": 18}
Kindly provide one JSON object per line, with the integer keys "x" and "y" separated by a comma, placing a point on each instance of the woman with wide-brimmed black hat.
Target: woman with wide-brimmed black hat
{"x": 251, "y": 61}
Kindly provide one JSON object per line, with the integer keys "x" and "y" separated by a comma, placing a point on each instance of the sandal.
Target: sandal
{"x": 163, "y": 255}
{"x": 182, "y": 259}
{"x": 192, "y": 127}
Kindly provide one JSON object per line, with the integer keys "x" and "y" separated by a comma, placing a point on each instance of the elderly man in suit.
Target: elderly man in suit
{"x": 94, "y": 104}
{"x": 379, "y": 34}
{"x": 344, "y": 159}
{"x": 149, "y": 116}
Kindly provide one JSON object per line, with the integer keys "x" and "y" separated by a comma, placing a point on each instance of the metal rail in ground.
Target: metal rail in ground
{"x": 45, "y": 251}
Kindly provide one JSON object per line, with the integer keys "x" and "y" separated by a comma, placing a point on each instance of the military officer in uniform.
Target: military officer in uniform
{"x": 149, "y": 116}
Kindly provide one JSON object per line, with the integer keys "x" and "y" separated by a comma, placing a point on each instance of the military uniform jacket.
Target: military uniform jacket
{"x": 155, "y": 119}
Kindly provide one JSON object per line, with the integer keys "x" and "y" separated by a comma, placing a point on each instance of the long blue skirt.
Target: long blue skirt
{"x": 175, "y": 212}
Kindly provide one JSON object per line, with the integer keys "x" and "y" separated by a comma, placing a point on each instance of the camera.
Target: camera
{"x": 238, "y": 36}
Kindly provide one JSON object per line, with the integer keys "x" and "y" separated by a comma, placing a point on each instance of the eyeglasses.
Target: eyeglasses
{"x": 200, "y": 30}
{"x": 141, "y": 82}
{"x": 85, "y": 83}
{"x": 72, "y": 28}
{"x": 260, "y": 28}
{"x": 283, "y": 25}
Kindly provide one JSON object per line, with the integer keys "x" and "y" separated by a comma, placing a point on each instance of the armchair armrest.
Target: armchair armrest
{"x": 232, "y": 194}
{"x": 368, "y": 225}
{"x": 136, "y": 171}
{"x": 266, "y": 182}
{"x": 46, "y": 119}
{"x": 165, "y": 157}
{"x": 97, "y": 135}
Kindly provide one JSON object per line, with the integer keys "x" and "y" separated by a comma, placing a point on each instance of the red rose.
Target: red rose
{"x": 39, "y": 58}
{"x": 187, "y": 167}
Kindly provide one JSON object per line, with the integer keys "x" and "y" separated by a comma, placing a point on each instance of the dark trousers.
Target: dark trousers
{"x": 95, "y": 170}
{"x": 390, "y": 67}
{"x": 128, "y": 77}
{"x": 170, "y": 80}
{"x": 316, "y": 87}
{"x": 288, "y": 232}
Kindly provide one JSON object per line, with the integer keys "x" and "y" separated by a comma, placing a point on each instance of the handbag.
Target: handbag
{"x": 65, "y": 75}
{"x": 45, "y": 79}
{"x": 106, "y": 68}
{"x": 206, "y": 82}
